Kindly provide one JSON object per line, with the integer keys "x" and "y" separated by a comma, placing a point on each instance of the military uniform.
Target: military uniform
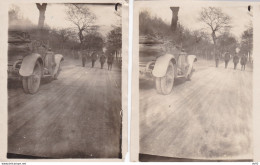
{"x": 243, "y": 62}
{"x": 235, "y": 61}
{"x": 93, "y": 58}
{"x": 102, "y": 60}
{"x": 227, "y": 58}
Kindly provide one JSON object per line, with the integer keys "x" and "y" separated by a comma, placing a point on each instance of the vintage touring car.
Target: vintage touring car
{"x": 163, "y": 65}
{"x": 30, "y": 61}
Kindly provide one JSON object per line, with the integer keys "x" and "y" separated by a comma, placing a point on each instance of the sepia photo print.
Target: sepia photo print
{"x": 195, "y": 82}
{"x": 64, "y": 80}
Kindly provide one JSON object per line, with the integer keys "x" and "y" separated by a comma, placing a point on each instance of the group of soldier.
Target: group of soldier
{"x": 94, "y": 56}
{"x": 227, "y": 57}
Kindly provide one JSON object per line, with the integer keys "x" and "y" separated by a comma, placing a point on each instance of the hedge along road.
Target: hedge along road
{"x": 76, "y": 116}
{"x": 209, "y": 117}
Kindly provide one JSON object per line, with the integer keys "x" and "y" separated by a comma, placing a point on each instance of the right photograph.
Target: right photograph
{"x": 195, "y": 83}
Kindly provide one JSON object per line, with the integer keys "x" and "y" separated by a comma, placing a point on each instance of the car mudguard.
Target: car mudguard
{"x": 161, "y": 65}
{"x": 28, "y": 64}
{"x": 190, "y": 60}
{"x": 58, "y": 58}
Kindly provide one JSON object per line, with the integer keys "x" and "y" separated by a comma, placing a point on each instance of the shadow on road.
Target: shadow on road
{"x": 149, "y": 84}
{"x": 146, "y": 84}
{"x": 16, "y": 84}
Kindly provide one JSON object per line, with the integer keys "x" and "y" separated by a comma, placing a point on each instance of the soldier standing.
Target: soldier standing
{"x": 93, "y": 58}
{"x": 102, "y": 60}
{"x": 243, "y": 62}
{"x": 227, "y": 58}
{"x": 235, "y": 60}
{"x": 110, "y": 61}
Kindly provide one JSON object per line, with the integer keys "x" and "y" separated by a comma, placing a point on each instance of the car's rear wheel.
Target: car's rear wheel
{"x": 32, "y": 83}
{"x": 164, "y": 84}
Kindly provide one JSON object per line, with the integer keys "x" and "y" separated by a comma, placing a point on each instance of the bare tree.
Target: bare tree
{"x": 227, "y": 41}
{"x": 63, "y": 35}
{"x": 82, "y": 18}
{"x": 216, "y": 21}
{"x": 93, "y": 42}
{"x": 114, "y": 42}
{"x": 198, "y": 37}
{"x": 175, "y": 11}
{"x": 247, "y": 41}
{"x": 42, "y": 8}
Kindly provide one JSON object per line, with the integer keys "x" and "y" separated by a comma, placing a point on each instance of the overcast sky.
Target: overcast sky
{"x": 188, "y": 16}
{"x": 55, "y": 15}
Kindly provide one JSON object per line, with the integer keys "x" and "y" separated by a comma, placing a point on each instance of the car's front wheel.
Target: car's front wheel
{"x": 32, "y": 83}
{"x": 164, "y": 84}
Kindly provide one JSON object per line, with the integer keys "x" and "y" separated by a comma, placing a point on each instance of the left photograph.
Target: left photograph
{"x": 64, "y": 80}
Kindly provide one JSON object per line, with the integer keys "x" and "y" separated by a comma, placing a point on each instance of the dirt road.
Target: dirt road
{"x": 209, "y": 117}
{"x": 76, "y": 116}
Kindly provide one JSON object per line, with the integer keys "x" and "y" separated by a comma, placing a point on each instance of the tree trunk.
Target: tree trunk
{"x": 41, "y": 19}
{"x": 42, "y": 9}
{"x": 81, "y": 37}
{"x": 214, "y": 38}
{"x": 175, "y": 11}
